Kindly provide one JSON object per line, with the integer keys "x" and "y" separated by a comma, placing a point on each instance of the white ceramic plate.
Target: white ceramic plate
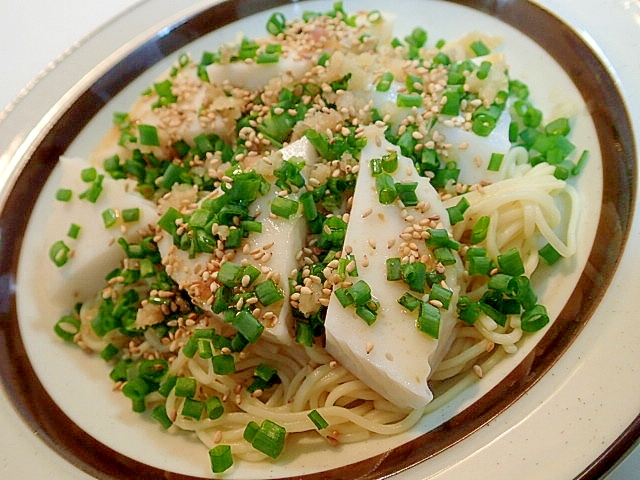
{"x": 131, "y": 436}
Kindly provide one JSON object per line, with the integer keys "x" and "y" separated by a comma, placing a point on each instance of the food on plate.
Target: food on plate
{"x": 308, "y": 231}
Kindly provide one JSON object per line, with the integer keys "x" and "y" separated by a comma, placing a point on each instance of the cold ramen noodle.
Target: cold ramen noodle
{"x": 313, "y": 231}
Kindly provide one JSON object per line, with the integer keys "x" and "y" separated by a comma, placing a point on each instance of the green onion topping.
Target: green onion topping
{"x": 59, "y": 253}
{"x": 221, "y": 459}
{"x": 317, "y": 419}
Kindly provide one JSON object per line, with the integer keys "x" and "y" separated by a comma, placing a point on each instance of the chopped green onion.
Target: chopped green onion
{"x": 452, "y": 103}
{"x": 74, "y": 231}
{"x": 390, "y": 162}
{"x": 136, "y": 389}
{"x": 468, "y": 311}
{"x": 148, "y": 135}
{"x": 263, "y": 58}
{"x": 268, "y": 292}
{"x": 191, "y": 347}
{"x": 445, "y": 176}
{"x": 444, "y": 255}
{"x": 407, "y": 193}
{"x": 250, "y": 431}
{"x": 204, "y": 348}
{"x": 510, "y": 262}
{"x": 479, "y": 230}
{"x": 67, "y": 327}
{"x": 317, "y": 419}
{"x": 119, "y": 371}
{"x": 394, "y": 269}
{"x": 374, "y": 16}
{"x": 165, "y": 95}
{"x": 499, "y": 317}
{"x": 88, "y": 174}
{"x": 214, "y": 407}
{"x": 168, "y": 221}
{"x": 167, "y": 385}
{"x": 367, "y": 313}
{"x": 238, "y": 342}
{"x": 441, "y": 294}
{"x": 408, "y": 100}
{"x": 534, "y": 319}
{"x": 409, "y": 301}
{"x": 109, "y": 217}
{"x": 276, "y": 23}
{"x": 386, "y": 189}
{"x": 483, "y": 71}
{"x": 59, "y": 253}
{"x": 265, "y": 372}
{"x": 441, "y": 58}
{"x": 417, "y": 38}
{"x": 323, "y": 59}
{"x": 360, "y": 292}
{"x": 309, "y": 208}
{"x": 519, "y": 288}
{"x": 221, "y": 459}
{"x": 304, "y": 334}
{"x": 343, "y": 296}
{"x": 185, "y": 387}
{"x": 429, "y": 320}
{"x": 513, "y": 132}
{"x": 579, "y": 166}
{"x": 268, "y": 438}
{"x": 94, "y": 190}
{"x": 192, "y": 408}
{"x": 284, "y": 207}
{"x": 64, "y": 194}
{"x": 108, "y": 352}
{"x": 385, "y": 82}
{"x": 248, "y": 326}
{"x": 223, "y": 364}
{"x": 518, "y": 89}
{"x": 230, "y": 274}
{"x": 375, "y": 165}
{"x": 479, "y": 48}
{"x": 563, "y": 170}
{"x": 495, "y": 162}
{"x": 159, "y": 413}
{"x": 479, "y": 265}
{"x": 414, "y": 275}
{"x": 499, "y": 282}
{"x": 413, "y": 84}
{"x": 549, "y": 254}
{"x": 559, "y": 126}
{"x": 456, "y": 213}
{"x": 131, "y": 214}
{"x": 439, "y": 237}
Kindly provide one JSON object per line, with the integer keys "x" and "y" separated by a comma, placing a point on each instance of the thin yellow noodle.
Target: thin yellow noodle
{"x": 528, "y": 219}
{"x": 305, "y": 389}
{"x": 492, "y": 247}
{"x": 501, "y": 338}
{"x": 326, "y": 384}
{"x": 565, "y": 249}
{"x": 345, "y": 389}
{"x": 297, "y": 380}
{"x": 469, "y": 354}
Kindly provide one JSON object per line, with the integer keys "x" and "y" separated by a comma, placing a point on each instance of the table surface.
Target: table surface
{"x": 38, "y": 31}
